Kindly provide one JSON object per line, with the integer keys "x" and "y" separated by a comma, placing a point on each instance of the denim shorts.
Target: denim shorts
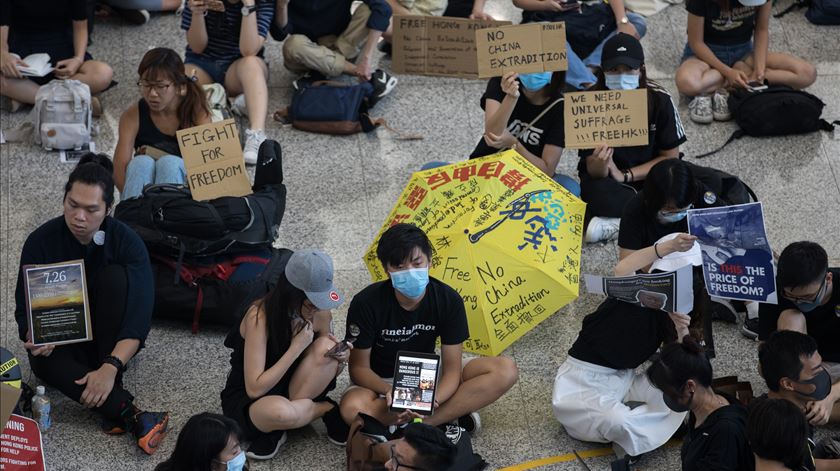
{"x": 729, "y": 54}
{"x": 215, "y": 68}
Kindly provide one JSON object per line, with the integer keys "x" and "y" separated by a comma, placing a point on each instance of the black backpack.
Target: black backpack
{"x": 777, "y": 111}
{"x": 820, "y": 12}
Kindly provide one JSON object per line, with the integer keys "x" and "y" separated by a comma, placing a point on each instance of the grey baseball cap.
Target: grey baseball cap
{"x": 311, "y": 271}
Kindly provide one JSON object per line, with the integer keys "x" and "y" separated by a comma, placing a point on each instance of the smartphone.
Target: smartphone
{"x": 757, "y": 86}
{"x": 567, "y": 6}
{"x": 415, "y": 382}
{"x": 340, "y": 347}
{"x": 215, "y": 5}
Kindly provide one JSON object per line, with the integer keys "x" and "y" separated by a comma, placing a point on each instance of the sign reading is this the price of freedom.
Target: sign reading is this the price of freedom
{"x": 617, "y": 118}
{"x": 528, "y": 48}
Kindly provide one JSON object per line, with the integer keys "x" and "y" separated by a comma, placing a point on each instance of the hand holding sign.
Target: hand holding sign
{"x": 213, "y": 160}
{"x": 617, "y": 118}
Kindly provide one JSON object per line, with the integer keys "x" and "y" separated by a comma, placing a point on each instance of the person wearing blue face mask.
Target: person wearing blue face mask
{"x": 610, "y": 177}
{"x": 208, "y": 442}
{"x": 524, "y": 112}
{"x": 409, "y": 312}
{"x": 808, "y": 302}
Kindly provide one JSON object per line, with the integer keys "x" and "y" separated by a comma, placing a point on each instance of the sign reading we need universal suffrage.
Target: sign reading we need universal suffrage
{"x": 528, "y": 48}
{"x": 213, "y": 160}
{"x": 617, "y": 118}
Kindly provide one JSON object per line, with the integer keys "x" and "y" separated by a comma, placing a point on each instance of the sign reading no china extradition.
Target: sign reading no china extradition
{"x": 213, "y": 160}
{"x": 617, "y": 118}
{"x": 528, "y": 48}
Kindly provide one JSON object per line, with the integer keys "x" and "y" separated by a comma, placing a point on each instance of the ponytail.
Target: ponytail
{"x": 193, "y": 107}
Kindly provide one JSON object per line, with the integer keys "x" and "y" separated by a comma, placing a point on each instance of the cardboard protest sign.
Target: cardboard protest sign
{"x": 669, "y": 291}
{"x": 737, "y": 259}
{"x": 214, "y": 162}
{"x": 431, "y": 45}
{"x": 9, "y": 397}
{"x": 532, "y": 47}
{"x": 21, "y": 445}
{"x": 617, "y": 118}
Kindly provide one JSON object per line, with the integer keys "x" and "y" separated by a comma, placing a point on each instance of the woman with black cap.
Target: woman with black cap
{"x": 610, "y": 177}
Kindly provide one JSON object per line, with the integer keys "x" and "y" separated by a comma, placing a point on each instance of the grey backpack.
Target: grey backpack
{"x": 62, "y": 115}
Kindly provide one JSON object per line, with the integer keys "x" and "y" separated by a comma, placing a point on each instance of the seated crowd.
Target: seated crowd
{"x": 285, "y": 356}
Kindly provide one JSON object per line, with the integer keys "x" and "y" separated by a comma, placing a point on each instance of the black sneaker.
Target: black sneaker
{"x": 383, "y": 83}
{"x": 337, "y": 429}
{"x": 266, "y": 446}
{"x": 749, "y": 328}
{"x": 470, "y": 422}
{"x": 723, "y": 310}
{"x": 385, "y": 47}
{"x": 133, "y": 17}
{"x": 308, "y": 77}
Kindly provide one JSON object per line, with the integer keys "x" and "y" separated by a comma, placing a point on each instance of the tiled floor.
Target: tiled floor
{"x": 341, "y": 189}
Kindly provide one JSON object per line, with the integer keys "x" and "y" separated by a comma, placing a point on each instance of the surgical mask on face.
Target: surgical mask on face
{"x": 237, "y": 463}
{"x": 621, "y": 81}
{"x": 676, "y": 406}
{"x": 412, "y": 282}
{"x": 808, "y": 306}
{"x": 670, "y": 218}
{"x": 535, "y": 81}
{"x": 822, "y": 385}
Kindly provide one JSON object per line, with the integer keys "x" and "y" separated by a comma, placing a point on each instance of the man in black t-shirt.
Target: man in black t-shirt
{"x": 409, "y": 312}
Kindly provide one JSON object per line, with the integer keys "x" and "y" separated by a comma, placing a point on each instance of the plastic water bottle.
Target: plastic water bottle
{"x": 41, "y": 409}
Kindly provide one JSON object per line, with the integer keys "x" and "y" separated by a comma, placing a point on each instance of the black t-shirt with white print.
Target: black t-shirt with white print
{"x": 378, "y": 322}
{"x": 548, "y": 130}
{"x": 720, "y": 27}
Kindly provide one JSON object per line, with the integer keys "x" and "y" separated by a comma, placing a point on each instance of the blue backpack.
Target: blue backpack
{"x": 820, "y": 12}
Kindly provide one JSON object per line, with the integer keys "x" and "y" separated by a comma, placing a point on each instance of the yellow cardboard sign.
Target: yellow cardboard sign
{"x": 431, "y": 45}
{"x": 213, "y": 160}
{"x": 617, "y": 118}
{"x": 528, "y": 48}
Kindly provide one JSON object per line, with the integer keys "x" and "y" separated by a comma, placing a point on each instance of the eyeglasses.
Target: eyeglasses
{"x": 401, "y": 465}
{"x": 159, "y": 88}
{"x": 810, "y": 298}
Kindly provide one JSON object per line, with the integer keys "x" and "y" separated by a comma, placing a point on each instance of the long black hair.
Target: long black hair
{"x": 679, "y": 362}
{"x": 670, "y": 181}
{"x": 279, "y": 306}
{"x": 201, "y": 440}
{"x": 94, "y": 169}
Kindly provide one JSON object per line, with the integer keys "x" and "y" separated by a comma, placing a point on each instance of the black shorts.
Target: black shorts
{"x": 59, "y": 45}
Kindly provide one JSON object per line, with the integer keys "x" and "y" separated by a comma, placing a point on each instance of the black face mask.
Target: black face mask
{"x": 822, "y": 385}
{"x": 675, "y": 406}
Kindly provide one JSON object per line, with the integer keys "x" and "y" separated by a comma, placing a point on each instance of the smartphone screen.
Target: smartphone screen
{"x": 415, "y": 381}
{"x": 340, "y": 347}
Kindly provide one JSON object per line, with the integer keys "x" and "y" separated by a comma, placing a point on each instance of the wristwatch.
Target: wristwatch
{"x": 623, "y": 20}
{"x": 248, "y": 9}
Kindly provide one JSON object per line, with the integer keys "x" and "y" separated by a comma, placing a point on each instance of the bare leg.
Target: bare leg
{"x": 22, "y": 90}
{"x": 97, "y": 75}
{"x": 359, "y": 399}
{"x": 784, "y": 69}
{"x": 695, "y": 77}
{"x": 249, "y": 75}
{"x": 272, "y": 413}
{"x": 484, "y": 381}
{"x": 314, "y": 372}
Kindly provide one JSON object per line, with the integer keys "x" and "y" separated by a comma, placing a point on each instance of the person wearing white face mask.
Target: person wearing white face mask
{"x": 610, "y": 177}
{"x": 210, "y": 442}
{"x": 410, "y": 312}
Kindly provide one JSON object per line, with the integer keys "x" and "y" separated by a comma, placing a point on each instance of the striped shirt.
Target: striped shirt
{"x": 223, "y": 28}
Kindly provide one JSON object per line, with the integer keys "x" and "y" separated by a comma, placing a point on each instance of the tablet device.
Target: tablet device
{"x": 415, "y": 382}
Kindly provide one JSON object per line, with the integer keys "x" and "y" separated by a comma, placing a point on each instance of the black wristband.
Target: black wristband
{"x": 632, "y": 176}
{"x": 625, "y": 175}
{"x": 656, "y": 251}
{"x": 115, "y": 362}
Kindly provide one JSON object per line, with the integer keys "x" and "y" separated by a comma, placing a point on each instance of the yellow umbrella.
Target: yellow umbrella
{"x": 506, "y": 237}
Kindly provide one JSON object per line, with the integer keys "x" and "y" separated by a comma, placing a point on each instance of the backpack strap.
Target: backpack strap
{"x": 534, "y": 121}
{"x": 400, "y": 135}
{"x": 737, "y": 134}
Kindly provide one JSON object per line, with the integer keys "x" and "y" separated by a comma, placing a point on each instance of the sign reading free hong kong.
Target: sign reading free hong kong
{"x": 20, "y": 445}
{"x": 506, "y": 236}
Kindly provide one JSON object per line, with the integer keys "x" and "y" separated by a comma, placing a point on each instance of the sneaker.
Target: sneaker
{"x": 470, "y": 422}
{"x": 238, "y": 106}
{"x": 720, "y": 106}
{"x": 266, "y": 446}
{"x": 383, "y": 83}
{"x": 308, "y": 77}
{"x": 602, "y": 229}
{"x": 253, "y": 140}
{"x": 337, "y": 429}
{"x": 113, "y": 427}
{"x": 133, "y": 17}
{"x": 749, "y": 328}
{"x": 150, "y": 430}
{"x": 700, "y": 110}
{"x": 723, "y": 310}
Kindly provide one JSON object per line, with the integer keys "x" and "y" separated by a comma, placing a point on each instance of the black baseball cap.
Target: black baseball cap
{"x": 622, "y": 49}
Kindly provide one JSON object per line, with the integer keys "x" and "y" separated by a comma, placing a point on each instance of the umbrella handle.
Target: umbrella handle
{"x": 474, "y": 238}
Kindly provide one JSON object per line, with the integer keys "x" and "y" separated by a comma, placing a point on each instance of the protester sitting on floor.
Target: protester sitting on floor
{"x": 792, "y": 369}
{"x": 58, "y": 28}
{"x": 716, "y": 437}
{"x": 524, "y": 112}
{"x": 720, "y": 54}
{"x": 610, "y": 177}
{"x": 410, "y": 311}
{"x": 808, "y": 302}
{"x": 421, "y": 447}
{"x": 170, "y": 101}
{"x": 778, "y": 436}
{"x": 136, "y": 12}
{"x": 281, "y": 371}
{"x": 209, "y": 442}
{"x": 584, "y": 51}
{"x": 120, "y": 297}
{"x": 226, "y": 47}
{"x": 321, "y": 39}
{"x": 472, "y": 9}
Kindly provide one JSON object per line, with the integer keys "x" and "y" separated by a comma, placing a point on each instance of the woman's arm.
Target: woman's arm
{"x": 761, "y": 38}
{"x": 550, "y": 157}
{"x": 702, "y": 51}
{"x": 128, "y": 129}
{"x": 639, "y": 172}
{"x": 620, "y": 13}
{"x": 197, "y": 33}
{"x": 497, "y": 114}
{"x": 259, "y": 379}
{"x": 538, "y": 5}
{"x": 250, "y": 41}
{"x": 281, "y": 13}
{"x": 630, "y": 261}
{"x": 322, "y": 323}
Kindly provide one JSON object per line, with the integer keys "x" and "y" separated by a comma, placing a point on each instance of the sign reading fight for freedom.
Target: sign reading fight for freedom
{"x": 737, "y": 260}
{"x": 528, "y": 48}
{"x": 214, "y": 162}
{"x": 428, "y": 45}
{"x": 617, "y": 118}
